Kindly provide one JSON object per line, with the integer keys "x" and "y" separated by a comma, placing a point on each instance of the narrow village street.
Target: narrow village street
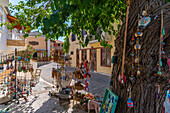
{"x": 97, "y": 83}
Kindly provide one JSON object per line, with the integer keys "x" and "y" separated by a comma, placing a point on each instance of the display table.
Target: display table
{"x": 94, "y": 105}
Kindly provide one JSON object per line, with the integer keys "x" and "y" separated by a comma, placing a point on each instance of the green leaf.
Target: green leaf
{"x": 26, "y": 35}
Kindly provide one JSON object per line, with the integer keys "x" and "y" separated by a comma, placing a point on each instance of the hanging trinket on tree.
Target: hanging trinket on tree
{"x": 122, "y": 77}
{"x": 145, "y": 20}
{"x": 137, "y": 47}
{"x": 161, "y": 51}
{"x": 129, "y": 101}
{"x": 132, "y": 78}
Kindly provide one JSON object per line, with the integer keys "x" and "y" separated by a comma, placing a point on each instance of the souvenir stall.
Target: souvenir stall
{"x": 16, "y": 75}
{"x": 61, "y": 79}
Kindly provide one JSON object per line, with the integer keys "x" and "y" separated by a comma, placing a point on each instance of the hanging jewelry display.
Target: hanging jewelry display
{"x": 145, "y": 20}
{"x": 137, "y": 47}
{"x": 129, "y": 101}
{"x": 132, "y": 78}
{"x": 161, "y": 51}
{"x": 122, "y": 77}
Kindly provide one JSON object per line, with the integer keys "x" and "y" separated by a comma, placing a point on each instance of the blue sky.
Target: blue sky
{"x": 14, "y": 2}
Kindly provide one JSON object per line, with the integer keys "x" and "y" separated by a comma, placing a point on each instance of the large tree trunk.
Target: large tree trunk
{"x": 143, "y": 88}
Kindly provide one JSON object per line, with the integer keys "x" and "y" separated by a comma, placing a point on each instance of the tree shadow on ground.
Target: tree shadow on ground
{"x": 56, "y": 105}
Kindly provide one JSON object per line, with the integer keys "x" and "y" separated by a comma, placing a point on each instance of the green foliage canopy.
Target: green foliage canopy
{"x": 66, "y": 45}
{"x": 51, "y": 17}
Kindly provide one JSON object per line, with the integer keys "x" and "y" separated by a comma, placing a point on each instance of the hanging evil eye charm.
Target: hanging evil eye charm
{"x": 130, "y": 103}
{"x": 137, "y": 46}
{"x": 138, "y": 34}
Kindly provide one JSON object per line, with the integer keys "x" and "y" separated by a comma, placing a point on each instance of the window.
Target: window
{"x": 105, "y": 57}
{"x": 84, "y": 55}
{"x": 71, "y": 53}
{"x": 73, "y": 37}
{"x": 58, "y": 44}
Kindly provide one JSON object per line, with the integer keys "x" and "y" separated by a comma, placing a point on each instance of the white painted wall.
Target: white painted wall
{"x": 3, "y": 33}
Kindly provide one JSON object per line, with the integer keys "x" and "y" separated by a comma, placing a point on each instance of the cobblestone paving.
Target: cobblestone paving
{"x": 97, "y": 83}
{"x": 41, "y": 102}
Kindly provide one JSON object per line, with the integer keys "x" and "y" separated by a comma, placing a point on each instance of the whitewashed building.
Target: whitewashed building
{"x": 9, "y": 39}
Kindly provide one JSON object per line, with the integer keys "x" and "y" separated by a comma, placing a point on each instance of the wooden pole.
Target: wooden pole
{"x": 123, "y": 57}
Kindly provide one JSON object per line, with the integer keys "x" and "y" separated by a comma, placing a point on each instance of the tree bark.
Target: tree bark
{"x": 144, "y": 90}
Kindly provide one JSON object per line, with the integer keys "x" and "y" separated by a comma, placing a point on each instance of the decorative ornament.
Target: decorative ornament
{"x": 159, "y": 73}
{"x": 129, "y": 101}
{"x": 144, "y": 21}
{"x": 122, "y": 79}
{"x": 132, "y": 78}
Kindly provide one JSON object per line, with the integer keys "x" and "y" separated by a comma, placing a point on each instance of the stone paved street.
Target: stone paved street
{"x": 97, "y": 83}
{"x": 41, "y": 102}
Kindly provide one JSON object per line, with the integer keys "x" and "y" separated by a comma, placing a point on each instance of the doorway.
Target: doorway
{"x": 77, "y": 58}
{"x": 93, "y": 57}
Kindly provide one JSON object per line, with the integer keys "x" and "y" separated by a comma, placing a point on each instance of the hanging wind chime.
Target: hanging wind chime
{"x": 122, "y": 77}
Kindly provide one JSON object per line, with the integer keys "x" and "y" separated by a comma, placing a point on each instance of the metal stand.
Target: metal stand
{"x": 16, "y": 100}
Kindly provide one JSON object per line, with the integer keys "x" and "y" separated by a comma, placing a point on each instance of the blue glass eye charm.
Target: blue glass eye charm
{"x": 138, "y": 34}
{"x": 137, "y": 46}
